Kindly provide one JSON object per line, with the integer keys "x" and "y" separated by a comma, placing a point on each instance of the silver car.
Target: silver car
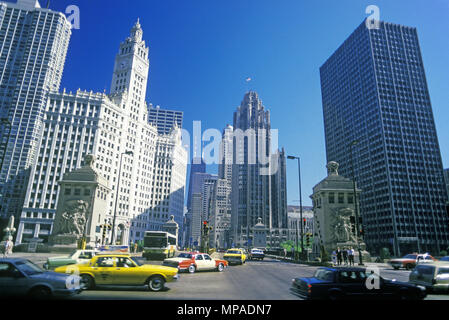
{"x": 21, "y": 277}
{"x": 435, "y": 276}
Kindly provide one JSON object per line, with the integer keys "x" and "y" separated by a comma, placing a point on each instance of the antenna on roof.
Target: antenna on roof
{"x": 48, "y": 4}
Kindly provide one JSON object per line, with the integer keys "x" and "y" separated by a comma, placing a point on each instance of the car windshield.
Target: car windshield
{"x": 185, "y": 255}
{"x": 256, "y": 251}
{"x": 136, "y": 261}
{"x": 444, "y": 271}
{"x": 324, "y": 275}
{"x": 233, "y": 251}
{"x": 410, "y": 256}
{"x": 28, "y": 268}
{"x": 72, "y": 253}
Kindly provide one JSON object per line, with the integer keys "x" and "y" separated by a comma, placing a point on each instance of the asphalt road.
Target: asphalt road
{"x": 256, "y": 280}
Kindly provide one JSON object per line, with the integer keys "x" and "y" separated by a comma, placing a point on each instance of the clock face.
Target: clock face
{"x": 124, "y": 64}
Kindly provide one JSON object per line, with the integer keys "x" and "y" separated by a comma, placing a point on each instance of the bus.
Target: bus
{"x": 159, "y": 245}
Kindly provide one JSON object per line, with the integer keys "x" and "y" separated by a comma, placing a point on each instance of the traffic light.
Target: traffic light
{"x": 308, "y": 239}
{"x": 304, "y": 221}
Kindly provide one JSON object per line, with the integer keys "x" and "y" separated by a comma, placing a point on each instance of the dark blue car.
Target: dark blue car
{"x": 353, "y": 283}
{"x": 21, "y": 277}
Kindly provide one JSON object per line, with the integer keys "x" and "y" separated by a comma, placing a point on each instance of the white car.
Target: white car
{"x": 76, "y": 257}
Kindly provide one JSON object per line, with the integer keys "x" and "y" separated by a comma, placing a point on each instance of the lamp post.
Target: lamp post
{"x": 300, "y": 201}
{"x": 357, "y": 232}
{"x": 117, "y": 194}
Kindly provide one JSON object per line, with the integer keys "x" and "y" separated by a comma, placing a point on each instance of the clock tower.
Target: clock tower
{"x": 131, "y": 67}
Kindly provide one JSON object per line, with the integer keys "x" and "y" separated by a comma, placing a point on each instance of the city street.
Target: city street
{"x": 256, "y": 280}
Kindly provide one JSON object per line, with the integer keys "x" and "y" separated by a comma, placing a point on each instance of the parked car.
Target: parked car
{"x": 435, "y": 276}
{"x": 76, "y": 257}
{"x": 351, "y": 283}
{"x": 410, "y": 261}
{"x": 235, "y": 256}
{"x": 445, "y": 258}
{"x": 21, "y": 277}
{"x": 194, "y": 261}
{"x": 256, "y": 254}
{"x": 121, "y": 270}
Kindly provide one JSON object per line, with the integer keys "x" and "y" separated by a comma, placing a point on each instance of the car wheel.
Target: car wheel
{"x": 409, "y": 266}
{"x": 220, "y": 267}
{"x": 335, "y": 296}
{"x": 87, "y": 282}
{"x": 404, "y": 295}
{"x": 156, "y": 283}
{"x": 40, "y": 293}
{"x": 396, "y": 268}
{"x": 192, "y": 269}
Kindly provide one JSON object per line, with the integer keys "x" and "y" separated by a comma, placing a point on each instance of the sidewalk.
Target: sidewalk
{"x": 366, "y": 264}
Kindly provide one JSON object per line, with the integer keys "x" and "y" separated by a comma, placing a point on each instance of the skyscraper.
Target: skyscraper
{"x": 197, "y": 166}
{"x": 253, "y": 186}
{"x": 34, "y": 43}
{"x": 145, "y": 170}
{"x": 164, "y": 120}
{"x": 446, "y": 179}
{"x": 375, "y": 94}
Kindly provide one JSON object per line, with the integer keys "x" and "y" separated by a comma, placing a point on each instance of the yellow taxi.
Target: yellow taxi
{"x": 235, "y": 256}
{"x": 120, "y": 270}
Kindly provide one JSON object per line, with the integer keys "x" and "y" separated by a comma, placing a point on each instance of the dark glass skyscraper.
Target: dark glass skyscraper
{"x": 374, "y": 90}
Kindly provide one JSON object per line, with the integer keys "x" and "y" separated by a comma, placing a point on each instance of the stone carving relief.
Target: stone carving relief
{"x": 342, "y": 226}
{"x": 73, "y": 218}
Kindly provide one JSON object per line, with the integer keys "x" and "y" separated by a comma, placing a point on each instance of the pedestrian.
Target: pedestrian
{"x": 135, "y": 247}
{"x": 285, "y": 252}
{"x": 339, "y": 257}
{"x": 334, "y": 258}
{"x": 97, "y": 245}
{"x": 8, "y": 248}
{"x": 345, "y": 256}
{"x": 351, "y": 256}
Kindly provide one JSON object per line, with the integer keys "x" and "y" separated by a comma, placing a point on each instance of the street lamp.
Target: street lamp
{"x": 129, "y": 153}
{"x": 300, "y": 201}
{"x": 354, "y": 143}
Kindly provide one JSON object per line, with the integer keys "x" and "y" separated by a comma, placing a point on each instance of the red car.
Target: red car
{"x": 195, "y": 261}
{"x": 410, "y": 261}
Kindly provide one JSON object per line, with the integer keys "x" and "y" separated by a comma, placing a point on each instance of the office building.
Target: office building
{"x": 33, "y": 48}
{"x": 377, "y": 108}
{"x": 145, "y": 170}
{"x": 255, "y": 180}
{"x": 164, "y": 120}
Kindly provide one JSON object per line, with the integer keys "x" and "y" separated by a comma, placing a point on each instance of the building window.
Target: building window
{"x": 67, "y": 191}
{"x": 77, "y": 192}
{"x": 331, "y": 197}
{"x": 350, "y": 198}
{"x": 341, "y": 198}
{"x": 87, "y": 192}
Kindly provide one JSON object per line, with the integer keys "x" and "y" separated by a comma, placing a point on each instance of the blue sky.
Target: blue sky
{"x": 201, "y": 51}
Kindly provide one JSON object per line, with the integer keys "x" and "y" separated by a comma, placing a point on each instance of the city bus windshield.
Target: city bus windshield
{"x": 155, "y": 242}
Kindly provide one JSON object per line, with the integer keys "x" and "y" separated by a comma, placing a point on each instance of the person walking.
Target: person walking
{"x": 339, "y": 257}
{"x": 135, "y": 247}
{"x": 345, "y": 256}
{"x": 351, "y": 256}
{"x": 8, "y": 248}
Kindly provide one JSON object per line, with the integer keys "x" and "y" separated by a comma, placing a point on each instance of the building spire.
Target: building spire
{"x": 136, "y": 31}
